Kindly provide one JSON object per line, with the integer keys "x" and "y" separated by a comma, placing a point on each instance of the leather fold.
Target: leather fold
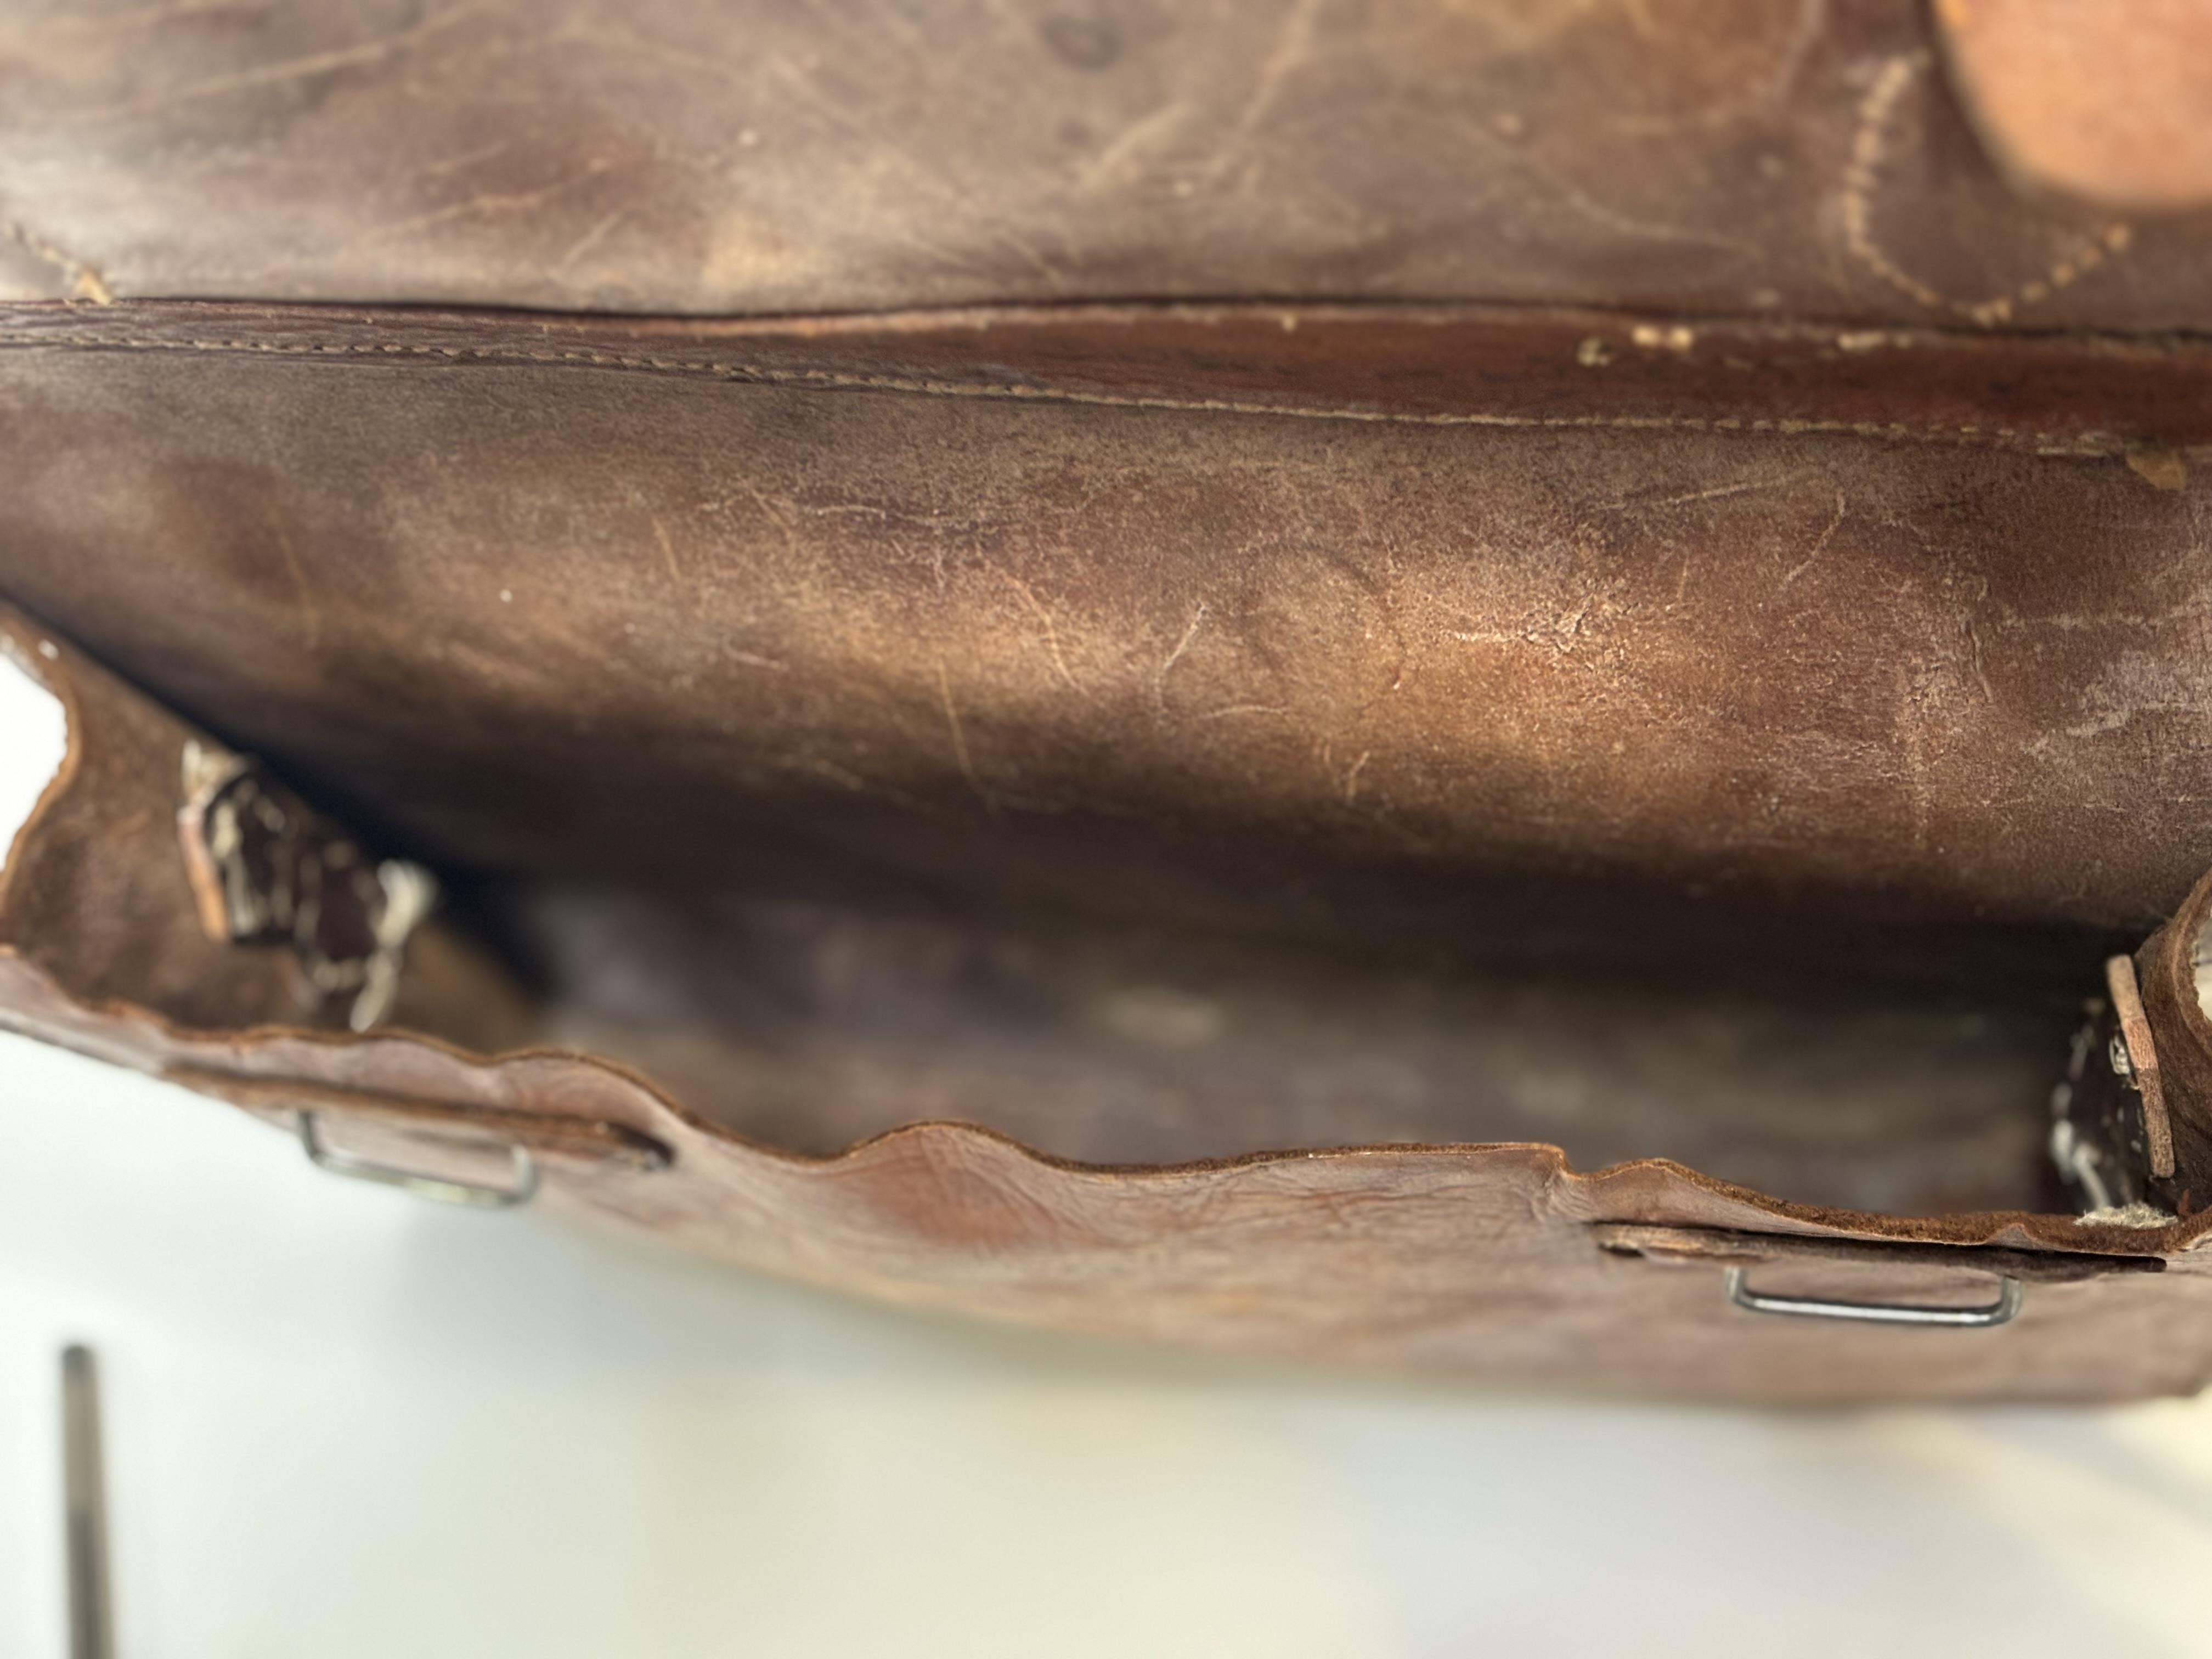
{"x": 1493, "y": 1261}
{"x": 2165, "y": 968}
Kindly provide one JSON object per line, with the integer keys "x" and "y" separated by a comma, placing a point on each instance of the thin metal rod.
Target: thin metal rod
{"x": 2011, "y": 1296}
{"x": 91, "y": 1621}
{"x": 325, "y": 1156}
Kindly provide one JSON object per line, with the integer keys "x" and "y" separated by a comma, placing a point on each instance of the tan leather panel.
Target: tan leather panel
{"x": 1200, "y": 651}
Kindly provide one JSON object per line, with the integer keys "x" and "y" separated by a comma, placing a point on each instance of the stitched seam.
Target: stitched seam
{"x": 1862, "y": 181}
{"x": 2083, "y": 443}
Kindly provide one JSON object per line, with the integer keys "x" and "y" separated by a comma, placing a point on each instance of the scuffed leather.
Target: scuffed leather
{"x": 1480, "y": 1260}
{"x": 1175, "y": 655}
{"x": 1668, "y": 608}
{"x": 1796, "y": 158}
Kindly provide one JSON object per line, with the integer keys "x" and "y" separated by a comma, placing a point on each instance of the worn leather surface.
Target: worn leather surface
{"x": 1173, "y": 657}
{"x": 1740, "y": 629}
{"x": 1730, "y": 156}
{"x": 961, "y": 744}
{"x": 1469, "y": 1259}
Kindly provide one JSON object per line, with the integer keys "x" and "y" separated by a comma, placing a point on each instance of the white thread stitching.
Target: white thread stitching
{"x": 1862, "y": 175}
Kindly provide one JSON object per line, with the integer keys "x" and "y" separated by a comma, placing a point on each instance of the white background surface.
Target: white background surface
{"x": 343, "y": 1422}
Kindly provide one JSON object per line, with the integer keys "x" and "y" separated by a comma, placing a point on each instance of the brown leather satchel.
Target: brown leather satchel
{"x": 1498, "y": 690}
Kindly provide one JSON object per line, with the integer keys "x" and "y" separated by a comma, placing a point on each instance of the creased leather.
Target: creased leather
{"x": 1731, "y": 156}
{"x": 1721, "y": 538}
{"x": 2167, "y": 972}
{"x": 1743, "y": 663}
{"x": 1474, "y": 1260}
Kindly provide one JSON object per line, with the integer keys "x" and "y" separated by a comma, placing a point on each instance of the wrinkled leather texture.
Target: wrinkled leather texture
{"x": 1494, "y": 1260}
{"x": 1923, "y": 673}
{"x": 1728, "y": 156}
{"x": 1654, "y": 610}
